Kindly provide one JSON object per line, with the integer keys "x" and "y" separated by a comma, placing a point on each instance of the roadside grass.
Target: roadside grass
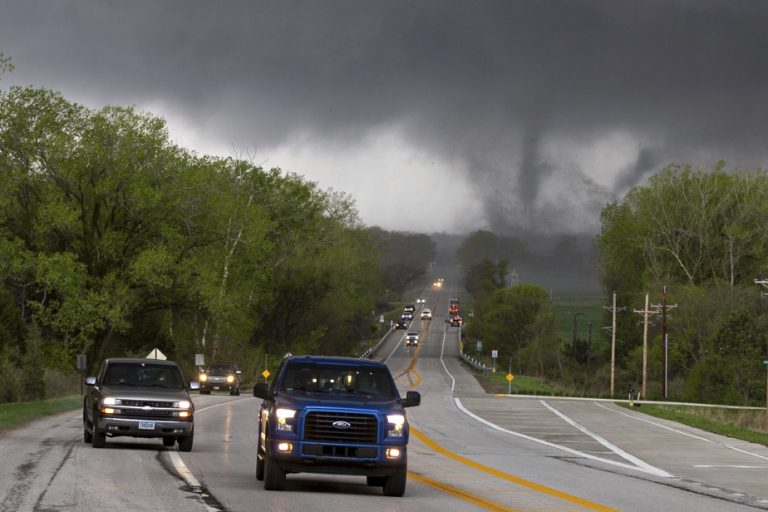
{"x": 496, "y": 383}
{"x": 747, "y": 425}
{"x": 17, "y": 413}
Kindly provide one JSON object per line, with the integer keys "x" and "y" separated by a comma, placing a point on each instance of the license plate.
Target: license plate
{"x": 146, "y": 425}
{"x": 215, "y": 388}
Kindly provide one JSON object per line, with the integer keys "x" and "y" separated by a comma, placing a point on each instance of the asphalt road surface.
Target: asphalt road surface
{"x": 469, "y": 451}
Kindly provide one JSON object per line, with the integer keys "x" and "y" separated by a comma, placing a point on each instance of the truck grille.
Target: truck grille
{"x": 140, "y": 413}
{"x": 150, "y": 403}
{"x": 318, "y": 426}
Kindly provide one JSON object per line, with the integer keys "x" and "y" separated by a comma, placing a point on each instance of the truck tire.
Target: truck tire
{"x": 274, "y": 476}
{"x": 99, "y": 439}
{"x": 395, "y": 484}
{"x": 259, "y": 468}
{"x": 87, "y": 434}
{"x": 185, "y": 443}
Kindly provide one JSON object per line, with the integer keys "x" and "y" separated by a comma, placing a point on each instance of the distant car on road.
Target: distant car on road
{"x": 220, "y": 376}
{"x": 400, "y": 324}
{"x": 426, "y": 314}
{"x": 412, "y": 339}
{"x": 456, "y": 321}
{"x": 421, "y": 301}
{"x": 409, "y": 308}
{"x": 407, "y": 315}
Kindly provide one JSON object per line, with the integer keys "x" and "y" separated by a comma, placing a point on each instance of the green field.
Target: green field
{"x": 586, "y": 310}
{"x": 17, "y": 413}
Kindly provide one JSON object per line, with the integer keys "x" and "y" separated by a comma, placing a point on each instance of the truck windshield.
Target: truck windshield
{"x": 221, "y": 369}
{"x": 337, "y": 379}
{"x": 142, "y": 374}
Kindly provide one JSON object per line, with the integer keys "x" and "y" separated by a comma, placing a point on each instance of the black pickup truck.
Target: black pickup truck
{"x": 139, "y": 398}
{"x": 333, "y": 415}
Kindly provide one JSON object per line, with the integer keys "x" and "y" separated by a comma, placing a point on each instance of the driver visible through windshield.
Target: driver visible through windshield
{"x": 144, "y": 374}
{"x": 320, "y": 378}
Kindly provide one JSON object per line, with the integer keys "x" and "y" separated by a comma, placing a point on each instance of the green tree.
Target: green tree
{"x": 519, "y": 320}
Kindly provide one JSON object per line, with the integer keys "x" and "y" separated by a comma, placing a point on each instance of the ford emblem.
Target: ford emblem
{"x": 341, "y": 425}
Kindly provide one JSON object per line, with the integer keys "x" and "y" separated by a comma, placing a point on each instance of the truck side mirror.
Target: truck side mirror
{"x": 90, "y": 381}
{"x": 260, "y": 390}
{"x": 412, "y": 399}
{"x": 194, "y": 385}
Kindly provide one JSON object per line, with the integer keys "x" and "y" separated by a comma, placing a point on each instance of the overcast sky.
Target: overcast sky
{"x": 433, "y": 115}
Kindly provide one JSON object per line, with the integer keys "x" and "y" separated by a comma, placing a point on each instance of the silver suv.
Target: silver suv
{"x": 139, "y": 398}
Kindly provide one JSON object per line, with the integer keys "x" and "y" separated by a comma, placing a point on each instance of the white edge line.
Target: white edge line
{"x": 183, "y": 470}
{"x": 442, "y": 349}
{"x": 603, "y": 441}
{"x": 397, "y": 345}
{"x": 730, "y": 466}
{"x": 660, "y": 425}
{"x": 746, "y": 452}
{"x": 681, "y": 432}
{"x": 547, "y": 443}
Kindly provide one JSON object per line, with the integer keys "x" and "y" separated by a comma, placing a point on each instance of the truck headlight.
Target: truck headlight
{"x": 283, "y": 415}
{"x": 395, "y": 425}
{"x": 108, "y": 400}
{"x": 183, "y": 404}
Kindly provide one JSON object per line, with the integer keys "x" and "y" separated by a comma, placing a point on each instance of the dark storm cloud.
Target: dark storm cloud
{"x": 486, "y": 84}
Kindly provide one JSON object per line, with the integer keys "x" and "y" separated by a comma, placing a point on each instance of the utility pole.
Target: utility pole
{"x": 613, "y": 309}
{"x": 646, "y": 313}
{"x": 575, "y": 314}
{"x": 663, "y": 307}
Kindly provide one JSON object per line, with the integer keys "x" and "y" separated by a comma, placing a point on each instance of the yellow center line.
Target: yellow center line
{"x": 511, "y": 478}
{"x": 453, "y": 491}
{"x": 411, "y": 370}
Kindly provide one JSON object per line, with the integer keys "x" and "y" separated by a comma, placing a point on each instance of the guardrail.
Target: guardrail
{"x": 367, "y": 353}
{"x": 477, "y": 365}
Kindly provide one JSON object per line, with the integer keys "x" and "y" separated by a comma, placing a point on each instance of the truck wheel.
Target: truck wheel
{"x": 87, "y": 434}
{"x": 185, "y": 443}
{"x": 169, "y": 441}
{"x": 99, "y": 439}
{"x": 395, "y": 484}
{"x": 274, "y": 476}
{"x": 376, "y": 481}
{"x": 259, "y": 468}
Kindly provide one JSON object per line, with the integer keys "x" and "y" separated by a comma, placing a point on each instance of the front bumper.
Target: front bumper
{"x": 217, "y": 387}
{"x": 367, "y": 460}
{"x": 131, "y": 427}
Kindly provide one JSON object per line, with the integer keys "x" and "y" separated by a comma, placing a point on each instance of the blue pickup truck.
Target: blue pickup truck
{"x": 333, "y": 415}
